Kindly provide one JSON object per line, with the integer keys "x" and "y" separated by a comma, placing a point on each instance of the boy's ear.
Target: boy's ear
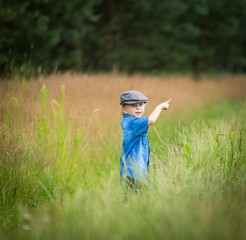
{"x": 124, "y": 109}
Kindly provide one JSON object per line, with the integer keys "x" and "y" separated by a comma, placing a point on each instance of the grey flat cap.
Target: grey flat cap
{"x": 131, "y": 97}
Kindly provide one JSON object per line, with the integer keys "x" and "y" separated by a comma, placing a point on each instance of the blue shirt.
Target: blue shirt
{"x": 134, "y": 161}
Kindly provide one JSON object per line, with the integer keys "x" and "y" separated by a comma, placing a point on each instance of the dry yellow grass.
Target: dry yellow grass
{"x": 93, "y": 100}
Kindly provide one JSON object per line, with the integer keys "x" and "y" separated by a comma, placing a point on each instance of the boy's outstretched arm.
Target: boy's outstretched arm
{"x": 155, "y": 114}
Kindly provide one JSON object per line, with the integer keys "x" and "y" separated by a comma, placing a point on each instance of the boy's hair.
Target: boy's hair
{"x": 131, "y": 97}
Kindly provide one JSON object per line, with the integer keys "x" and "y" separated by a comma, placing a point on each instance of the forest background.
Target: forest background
{"x": 150, "y": 36}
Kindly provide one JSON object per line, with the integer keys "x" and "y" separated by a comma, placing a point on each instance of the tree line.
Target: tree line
{"x": 42, "y": 36}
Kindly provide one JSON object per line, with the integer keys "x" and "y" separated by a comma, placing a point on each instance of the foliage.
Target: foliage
{"x": 41, "y": 36}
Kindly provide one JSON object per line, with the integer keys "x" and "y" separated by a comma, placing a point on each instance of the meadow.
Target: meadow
{"x": 60, "y": 148}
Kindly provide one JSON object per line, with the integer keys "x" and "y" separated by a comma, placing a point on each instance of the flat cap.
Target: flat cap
{"x": 131, "y": 97}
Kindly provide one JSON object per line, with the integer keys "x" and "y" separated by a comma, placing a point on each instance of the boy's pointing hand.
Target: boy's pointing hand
{"x": 165, "y": 105}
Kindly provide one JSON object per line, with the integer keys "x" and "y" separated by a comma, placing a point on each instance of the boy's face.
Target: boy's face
{"x": 136, "y": 109}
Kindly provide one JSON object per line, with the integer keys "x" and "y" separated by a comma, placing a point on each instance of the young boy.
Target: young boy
{"x": 134, "y": 161}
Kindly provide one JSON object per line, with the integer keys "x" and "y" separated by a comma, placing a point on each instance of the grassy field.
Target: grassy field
{"x": 60, "y": 148}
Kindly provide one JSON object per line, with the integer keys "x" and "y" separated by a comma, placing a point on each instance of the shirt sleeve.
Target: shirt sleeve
{"x": 140, "y": 125}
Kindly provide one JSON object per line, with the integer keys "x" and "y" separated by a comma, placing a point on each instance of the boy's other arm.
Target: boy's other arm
{"x": 155, "y": 114}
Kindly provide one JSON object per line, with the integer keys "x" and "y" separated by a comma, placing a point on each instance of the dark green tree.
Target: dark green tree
{"x": 130, "y": 36}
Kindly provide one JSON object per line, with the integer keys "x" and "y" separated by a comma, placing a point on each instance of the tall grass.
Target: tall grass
{"x": 197, "y": 192}
{"x": 55, "y": 187}
{"x": 39, "y": 161}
